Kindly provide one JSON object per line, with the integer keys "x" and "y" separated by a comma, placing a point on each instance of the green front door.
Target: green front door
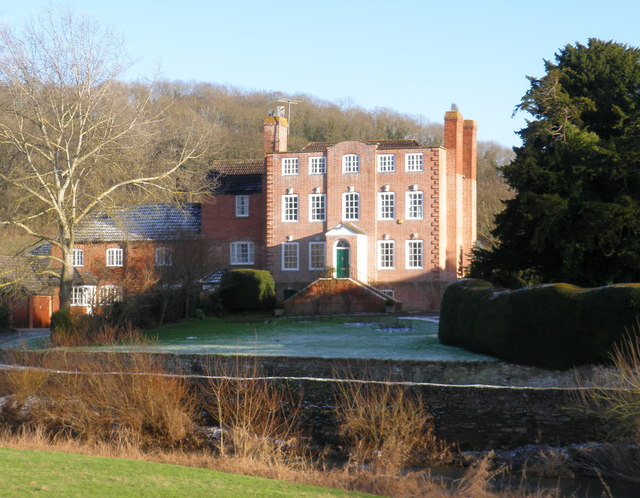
{"x": 342, "y": 262}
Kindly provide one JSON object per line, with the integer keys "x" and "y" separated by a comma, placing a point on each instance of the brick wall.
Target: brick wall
{"x": 221, "y": 227}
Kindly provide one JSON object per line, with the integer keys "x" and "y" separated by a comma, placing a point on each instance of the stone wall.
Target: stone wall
{"x": 478, "y": 405}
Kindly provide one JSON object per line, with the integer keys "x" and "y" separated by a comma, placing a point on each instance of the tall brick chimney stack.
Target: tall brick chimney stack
{"x": 276, "y": 132}
{"x": 460, "y": 145}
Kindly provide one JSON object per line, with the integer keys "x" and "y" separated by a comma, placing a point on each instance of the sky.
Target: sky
{"x": 416, "y": 57}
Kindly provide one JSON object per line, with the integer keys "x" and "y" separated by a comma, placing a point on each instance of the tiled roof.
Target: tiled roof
{"x": 23, "y": 272}
{"x": 381, "y": 144}
{"x": 237, "y": 177}
{"x": 239, "y": 167}
{"x": 214, "y": 277}
{"x": 141, "y": 222}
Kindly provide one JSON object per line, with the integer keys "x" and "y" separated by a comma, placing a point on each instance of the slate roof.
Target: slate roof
{"x": 141, "y": 222}
{"x": 22, "y": 270}
{"x": 381, "y": 145}
{"x": 237, "y": 177}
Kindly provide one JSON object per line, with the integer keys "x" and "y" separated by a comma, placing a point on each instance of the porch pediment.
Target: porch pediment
{"x": 345, "y": 229}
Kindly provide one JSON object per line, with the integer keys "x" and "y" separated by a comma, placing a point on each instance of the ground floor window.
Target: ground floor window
{"x": 415, "y": 254}
{"x": 109, "y": 294}
{"x": 290, "y": 253}
{"x": 241, "y": 253}
{"x": 317, "y": 260}
{"x": 82, "y": 295}
{"x": 386, "y": 254}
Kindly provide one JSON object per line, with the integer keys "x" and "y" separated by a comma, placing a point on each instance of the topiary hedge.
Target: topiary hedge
{"x": 246, "y": 290}
{"x": 550, "y": 326}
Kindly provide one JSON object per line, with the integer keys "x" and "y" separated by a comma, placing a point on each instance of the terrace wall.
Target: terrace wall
{"x": 515, "y": 411}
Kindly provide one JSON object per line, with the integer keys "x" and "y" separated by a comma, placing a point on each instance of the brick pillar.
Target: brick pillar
{"x": 276, "y": 132}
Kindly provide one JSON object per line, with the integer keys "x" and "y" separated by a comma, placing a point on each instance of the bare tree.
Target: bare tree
{"x": 77, "y": 140}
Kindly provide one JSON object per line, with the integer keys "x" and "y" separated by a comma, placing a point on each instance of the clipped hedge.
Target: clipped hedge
{"x": 247, "y": 290}
{"x": 551, "y": 326}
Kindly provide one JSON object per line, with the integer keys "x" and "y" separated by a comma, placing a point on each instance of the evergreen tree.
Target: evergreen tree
{"x": 575, "y": 216}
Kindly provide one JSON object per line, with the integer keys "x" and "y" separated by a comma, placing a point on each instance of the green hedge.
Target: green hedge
{"x": 246, "y": 290}
{"x": 550, "y": 326}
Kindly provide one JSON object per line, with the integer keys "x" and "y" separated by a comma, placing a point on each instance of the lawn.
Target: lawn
{"x": 31, "y": 472}
{"x": 378, "y": 337}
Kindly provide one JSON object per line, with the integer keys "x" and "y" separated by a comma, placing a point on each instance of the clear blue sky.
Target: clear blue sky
{"x": 416, "y": 57}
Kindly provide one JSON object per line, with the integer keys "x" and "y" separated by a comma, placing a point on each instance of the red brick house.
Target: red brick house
{"x": 391, "y": 214}
{"x": 389, "y": 218}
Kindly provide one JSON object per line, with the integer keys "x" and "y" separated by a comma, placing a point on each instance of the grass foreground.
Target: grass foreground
{"x": 35, "y": 472}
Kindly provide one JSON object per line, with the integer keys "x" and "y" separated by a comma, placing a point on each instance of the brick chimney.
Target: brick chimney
{"x": 276, "y": 132}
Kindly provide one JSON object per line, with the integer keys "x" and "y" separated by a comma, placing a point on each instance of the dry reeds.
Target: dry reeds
{"x": 106, "y": 397}
{"x": 258, "y": 417}
{"x": 386, "y": 427}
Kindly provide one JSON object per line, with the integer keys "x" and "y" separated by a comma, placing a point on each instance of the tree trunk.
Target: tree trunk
{"x": 66, "y": 278}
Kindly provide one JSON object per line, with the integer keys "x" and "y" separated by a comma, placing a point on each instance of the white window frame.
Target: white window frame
{"x": 414, "y": 205}
{"x": 78, "y": 257}
{"x": 286, "y": 264}
{"x": 317, "y": 165}
{"x": 164, "y": 256}
{"x": 290, "y": 208}
{"x": 386, "y": 163}
{"x": 321, "y": 247}
{"x": 115, "y": 256}
{"x": 109, "y": 294}
{"x": 350, "y": 163}
{"x": 83, "y": 295}
{"x": 414, "y": 260}
{"x": 386, "y": 205}
{"x": 290, "y": 166}
{"x": 241, "y": 252}
{"x": 351, "y": 206}
{"x": 242, "y": 206}
{"x": 317, "y": 207}
{"x": 414, "y": 161}
{"x": 386, "y": 254}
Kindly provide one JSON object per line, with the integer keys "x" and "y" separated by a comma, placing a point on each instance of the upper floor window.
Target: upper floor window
{"x": 114, "y": 257}
{"x": 290, "y": 256}
{"x": 241, "y": 253}
{"x": 414, "y": 161}
{"x": 290, "y": 166}
{"x": 290, "y": 207}
{"x": 164, "y": 256}
{"x": 351, "y": 206}
{"x": 415, "y": 205}
{"x": 317, "y": 165}
{"x": 351, "y": 163}
{"x": 386, "y": 254}
{"x": 78, "y": 257}
{"x": 415, "y": 254}
{"x": 242, "y": 206}
{"x": 386, "y": 205}
{"x": 386, "y": 163}
{"x": 317, "y": 256}
{"x": 317, "y": 209}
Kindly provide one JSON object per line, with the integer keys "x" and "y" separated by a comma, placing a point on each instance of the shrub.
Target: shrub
{"x": 550, "y": 326}
{"x": 5, "y": 315}
{"x": 111, "y": 397}
{"x": 386, "y": 427}
{"x": 246, "y": 290}
{"x": 258, "y": 418}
